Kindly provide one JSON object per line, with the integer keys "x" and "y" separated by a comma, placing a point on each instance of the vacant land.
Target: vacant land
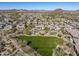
{"x": 42, "y": 44}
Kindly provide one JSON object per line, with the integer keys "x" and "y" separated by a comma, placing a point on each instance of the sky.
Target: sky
{"x": 40, "y": 5}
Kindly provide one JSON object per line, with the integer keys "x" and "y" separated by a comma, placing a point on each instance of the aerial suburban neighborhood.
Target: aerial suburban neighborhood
{"x": 59, "y": 23}
{"x": 39, "y": 32}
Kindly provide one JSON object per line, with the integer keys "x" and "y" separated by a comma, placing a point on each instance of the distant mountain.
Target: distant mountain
{"x": 59, "y": 10}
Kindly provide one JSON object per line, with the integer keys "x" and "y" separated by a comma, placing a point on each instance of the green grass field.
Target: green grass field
{"x": 42, "y": 44}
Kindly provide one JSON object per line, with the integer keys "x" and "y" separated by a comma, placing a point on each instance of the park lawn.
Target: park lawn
{"x": 44, "y": 45}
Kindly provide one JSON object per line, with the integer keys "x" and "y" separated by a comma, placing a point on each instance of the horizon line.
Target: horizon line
{"x": 40, "y": 9}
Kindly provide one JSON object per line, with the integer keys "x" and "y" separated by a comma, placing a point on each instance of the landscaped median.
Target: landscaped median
{"x": 44, "y": 45}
